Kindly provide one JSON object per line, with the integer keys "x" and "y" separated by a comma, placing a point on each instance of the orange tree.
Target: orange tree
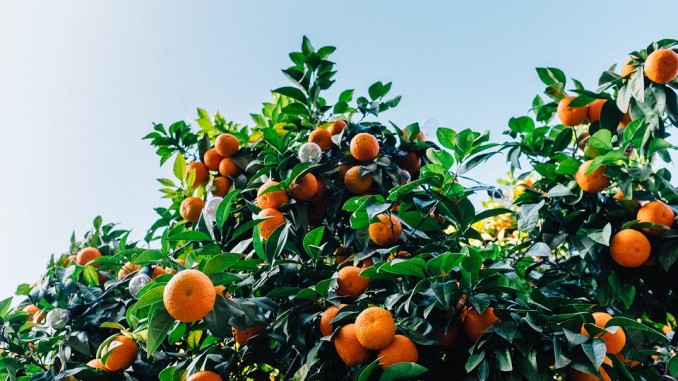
{"x": 319, "y": 243}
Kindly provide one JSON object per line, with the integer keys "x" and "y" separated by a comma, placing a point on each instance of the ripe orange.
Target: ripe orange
{"x": 119, "y": 354}
{"x": 321, "y": 191}
{"x": 576, "y": 375}
{"x": 411, "y": 163}
{"x": 34, "y": 310}
{"x": 305, "y": 188}
{"x": 375, "y": 328}
{"x": 327, "y": 317}
{"x": 96, "y": 364}
{"x": 202, "y": 175}
{"x": 571, "y": 116}
{"x": 355, "y": 183}
{"x": 273, "y": 199}
{"x": 618, "y": 196}
{"x": 401, "y": 349}
{"x": 205, "y": 375}
{"x": 658, "y": 213}
{"x": 226, "y": 145}
{"x": 220, "y": 291}
{"x": 212, "y": 159}
{"x": 661, "y": 66}
{"x": 350, "y": 283}
{"x": 613, "y": 341}
{"x": 157, "y": 271}
{"x": 595, "y": 181}
{"x": 241, "y": 336}
{"x": 625, "y": 120}
{"x": 630, "y": 248}
{"x": 322, "y": 138}
{"x": 127, "y": 269}
{"x": 349, "y": 348}
{"x": 448, "y": 339}
{"x": 593, "y": 110}
{"x": 189, "y": 296}
{"x": 229, "y": 168}
{"x": 628, "y": 69}
{"x": 87, "y": 255}
{"x": 220, "y": 186}
{"x": 364, "y": 147}
{"x": 475, "y": 324}
{"x": 386, "y": 231}
{"x": 191, "y": 208}
{"x": 343, "y": 168}
{"x": 337, "y": 127}
{"x": 266, "y": 228}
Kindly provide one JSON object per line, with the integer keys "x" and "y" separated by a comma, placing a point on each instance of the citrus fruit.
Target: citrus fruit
{"x": 349, "y": 348}
{"x": 447, "y": 337}
{"x": 475, "y": 324}
{"x": 87, "y": 255}
{"x": 337, "y": 127}
{"x": 327, "y": 317}
{"x": 576, "y": 375}
{"x": 212, "y": 159}
{"x": 226, "y": 145}
{"x": 386, "y": 231}
{"x": 221, "y": 186}
{"x": 305, "y": 188}
{"x": 571, "y": 116}
{"x": 355, "y": 183}
{"x": 658, "y": 213}
{"x": 375, "y": 328}
{"x": 127, "y": 269}
{"x": 119, "y": 354}
{"x": 595, "y": 181}
{"x": 191, "y": 208}
{"x": 229, "y": 168}
{"x": 613, "y": 341}
{"x": 411, "y": 163}
{"x": 625, "y": 120}
{"x": 364, "y": 147}
{"x": 420, "y": 136}
{"x": 661, "y": 66}
{"x": 189, "y": 296}
{"x": 96, "y": 364}
{"x": 266, "y": 228}
{"x": 202, "y": 175}
{"x": 273, "y": 199}
{"x": 593, "y": 110}
{"x": 401, "y": 349}
{"x": 628, "y": 69}
{"x": 630, "y": 248}
{"x": 205, "y": 375}
{"x": 242, "y": 336}
{"x": 321, "y": 137}
{"x": 350, "y": 283}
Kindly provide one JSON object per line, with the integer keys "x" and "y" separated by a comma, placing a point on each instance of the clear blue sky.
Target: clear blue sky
{"x": 81, "y": 82}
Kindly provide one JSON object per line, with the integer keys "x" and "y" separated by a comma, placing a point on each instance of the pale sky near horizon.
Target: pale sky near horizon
{"x": 81, "y": 83}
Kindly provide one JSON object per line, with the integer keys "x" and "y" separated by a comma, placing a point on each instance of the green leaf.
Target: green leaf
{"x": 366, "y": 372}
{"x": 149, "y": 298}
{"x": 160, "y": 324}
{"x": 658, "y": 144}
{"x": 195, "y": 236}
{"x": 402, "y": 371}
{"x": 224, "y": 209}
{"x": 293, "y": 93}
{"x": 413, "y": 267}
{"x": 523, "y": 124}
{"x": 180, "y": 167}
{"x": 445, "y": 262}
{"x": 221, "y": 262}
{"x": 4, "y": 307}
{"x": 313, "y": 238}
{"x": 491, "y": 213}
{"x": 550, "y": 75}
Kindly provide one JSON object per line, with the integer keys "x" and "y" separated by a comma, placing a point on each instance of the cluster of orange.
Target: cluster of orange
{"x": 614, "y": 343}
{"x": 218, "y": 159}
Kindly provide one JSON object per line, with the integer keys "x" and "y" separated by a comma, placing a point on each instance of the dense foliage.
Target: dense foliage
{"x": 306, "y": 220}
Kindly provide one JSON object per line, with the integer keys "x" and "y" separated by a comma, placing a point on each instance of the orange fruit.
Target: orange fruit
{"x": 220, "y": 291}
{"x": 625, "y": 120}
{"x": 420, "y": 136}
{"x": 343, "y": 168}
{"x": 157, "y": 271}
{"x": 241, "y": 336}
{"x": 618, "y": 196}
{"x": 630, "y": 248}
{"x": 189, "y": 296}
{"x": 34, "y": 310}
{"x": 613, "y": 341}
{"x": 327, "y": 317}
{"x": 571, "y": 116}
{"x": 212, "y": 159}
{"x": 401, "y": 349}
{"x": 70, "y": 259}
{"x": 273, "y": 199}
{"x": 119, "y": 354}
{"x": 266, "y": 228}
{"x": 205, "y": 375}
{"x": 595, "y": 181}
{"x": 386, "y": 231}
{"x": 349, "y": 348}
{"x": 202, "y": 175}
{"x": 337, "y": 127}
{"x": 355, "y": 183}
{"x": 321, "y": 191}
{"x": 87, "y": 255}
{"x": 191, "y": 208}
{"x": 411, "y": 163}
{"x": 350, "y": 283}
{"x": 628, "y": 69}
{"x": 321, "y": 137}
{"x": 96, "y": 364}
{"x": 593, "y": 110}
{"x": 661, "y": 66}
{"x": 229, "y": 168}
{"x": 576, "y": 375}
{"x": 364, "y": 147}
{"x": 626, "y": 361}
{"x": 448, "y": 338}
{"x": 220, "y": 186}
{"x": 375, "y": 328}
{"x": 305, "y": 188}
{"x": 226, "y": 145}
{"x": 655, "y": 212}
{"x": 127, "y": 269}
{"x": 475, "y": 324}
